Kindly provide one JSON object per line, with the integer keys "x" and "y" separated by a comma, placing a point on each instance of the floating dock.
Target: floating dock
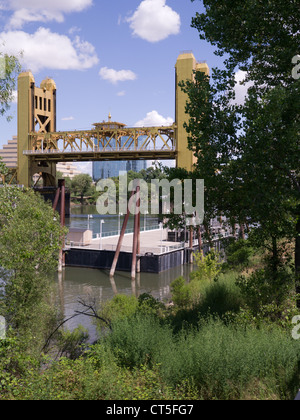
{"x": 157, "y": 254}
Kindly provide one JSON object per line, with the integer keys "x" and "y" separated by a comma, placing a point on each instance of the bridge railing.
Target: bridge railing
{"x": 95, "y": 150}
{"x": 118, "y": 140}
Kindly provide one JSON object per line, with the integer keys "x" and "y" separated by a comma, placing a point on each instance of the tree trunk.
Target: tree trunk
{"x": 242, "y": 231}
{"x": 297, "y": 261}
{"x": 199, "y": 234}
{"x": 275, "y": 257}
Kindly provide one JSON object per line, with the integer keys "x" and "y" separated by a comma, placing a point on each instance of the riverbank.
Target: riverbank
{"x": 161, "y": 352}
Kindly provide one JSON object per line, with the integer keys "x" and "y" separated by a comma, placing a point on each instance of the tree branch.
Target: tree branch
{"x": 89, "y": 307}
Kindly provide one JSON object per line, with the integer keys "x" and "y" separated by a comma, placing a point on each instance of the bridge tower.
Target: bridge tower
{"x": 185, "y": 67}
{"x": 36, "y": 113}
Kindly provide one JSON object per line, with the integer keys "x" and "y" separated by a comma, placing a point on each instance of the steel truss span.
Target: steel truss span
{"x": 119, "y": 144}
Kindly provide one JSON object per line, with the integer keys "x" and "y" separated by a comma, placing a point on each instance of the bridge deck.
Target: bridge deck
{"x": 138, "y": 143}
{"x": 90, "y": 155}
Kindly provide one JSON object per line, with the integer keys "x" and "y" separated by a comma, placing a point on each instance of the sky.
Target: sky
{"x": 106, "y": 56}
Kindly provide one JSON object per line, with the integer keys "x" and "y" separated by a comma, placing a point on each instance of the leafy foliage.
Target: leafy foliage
{"x": 208, "y": 266}
{"x": 11, "y": 67}
{"x": 81, "y": 186}
{"x": 3, "y": 168}
{"x": 30, "y": 240}
{"x": 248, "y": 152}
{"x": 238, "y": 253}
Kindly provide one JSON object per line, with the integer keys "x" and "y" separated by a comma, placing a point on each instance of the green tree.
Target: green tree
{"x": 82, "y": 186}
{"x": 30, "y": 240}
{"x": 3, "y": 169}
{"x": 259, "y": 37}
{"x": 213, "y": 130}
{"x": 9, "y": 68}
{"x": 153, "y": 172}
{"x": 269, "y": 167}
{"x": 248, "y": 154}
{"x": 179, "y": 221}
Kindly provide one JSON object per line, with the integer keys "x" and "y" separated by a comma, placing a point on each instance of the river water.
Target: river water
{"x": 95, "y": 285}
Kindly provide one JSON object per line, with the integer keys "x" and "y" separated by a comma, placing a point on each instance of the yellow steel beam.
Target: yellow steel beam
{"x": 71, "y": 156}
{"x": 102, "y": 141}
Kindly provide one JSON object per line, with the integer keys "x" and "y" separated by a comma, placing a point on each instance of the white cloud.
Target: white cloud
{"x": 42, "y": 10}
{"x": 21, "y": 16}
{"x": 154, "y": 21}
{"x": 74, "y": 29}
{"x": 154, "y": 119}
{"x": 68, "y": 119}
{"x": 46, "y": 49}
{"x": 114, "y": 76}
{"x": 121, "y": 93}
{"x": 241, "y": 90}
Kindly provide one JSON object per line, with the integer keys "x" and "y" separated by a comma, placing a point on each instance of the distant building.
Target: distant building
{"x": 67, "y": 169}
{"x": 104, "y": 170}
{"x": 9, "y": 153}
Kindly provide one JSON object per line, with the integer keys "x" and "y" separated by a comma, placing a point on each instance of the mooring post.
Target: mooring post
{"x": 199, "y": 234}
{"x": 63, "y": 203}
{"x": 118, "y": 249}
{"x": 55, "y": 202}
{"x": 138, "y": 265}
{"x": 191, "y": 245}
{"x": 135, "y": 234}
{"x": 62, "y": 187}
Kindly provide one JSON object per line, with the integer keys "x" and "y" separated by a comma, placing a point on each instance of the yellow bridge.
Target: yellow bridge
{"x": 41, "y": 146}
{"x": 104, "y": 144}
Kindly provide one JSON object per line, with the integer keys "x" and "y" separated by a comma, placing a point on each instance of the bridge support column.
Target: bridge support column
{"x": 185, "y": 67}
{"x": 36, "y": 113}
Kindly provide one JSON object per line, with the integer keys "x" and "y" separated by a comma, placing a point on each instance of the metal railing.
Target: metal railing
{"x": 98, "y": 150}
{"x": 159, "y": 249}
{"x": 115, "y": 233}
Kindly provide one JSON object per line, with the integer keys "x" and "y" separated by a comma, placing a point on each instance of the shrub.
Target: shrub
{"x": 185, "y": 294}
{"x": 220, "y": 297}
{"x": 238, "y": 253}
{"x": 225, "y": 361}
{"x": 151, "y": 306}
{"x": 208, "y": 266}
{"x": 217, "y": 361}
{"x": 181, "y": 292}
{"x": 121, "y": 306}
{"x": 71, "y": 343}
{"x": 263, "y": 288}
{"x": 137, "y": 340}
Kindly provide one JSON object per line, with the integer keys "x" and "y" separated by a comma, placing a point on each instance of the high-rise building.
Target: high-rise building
{"x": 103, "y": 170}
{"x": 110, "y": 169}
{"x": 67, "y": 169}
{"x": 9, "y": 153}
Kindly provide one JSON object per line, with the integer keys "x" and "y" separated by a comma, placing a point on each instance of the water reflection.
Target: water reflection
{"x": 86, "y": 284}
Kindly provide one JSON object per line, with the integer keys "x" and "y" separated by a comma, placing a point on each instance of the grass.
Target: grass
{"x": 208, "y": 348}
{"x": 217, "y": 360}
